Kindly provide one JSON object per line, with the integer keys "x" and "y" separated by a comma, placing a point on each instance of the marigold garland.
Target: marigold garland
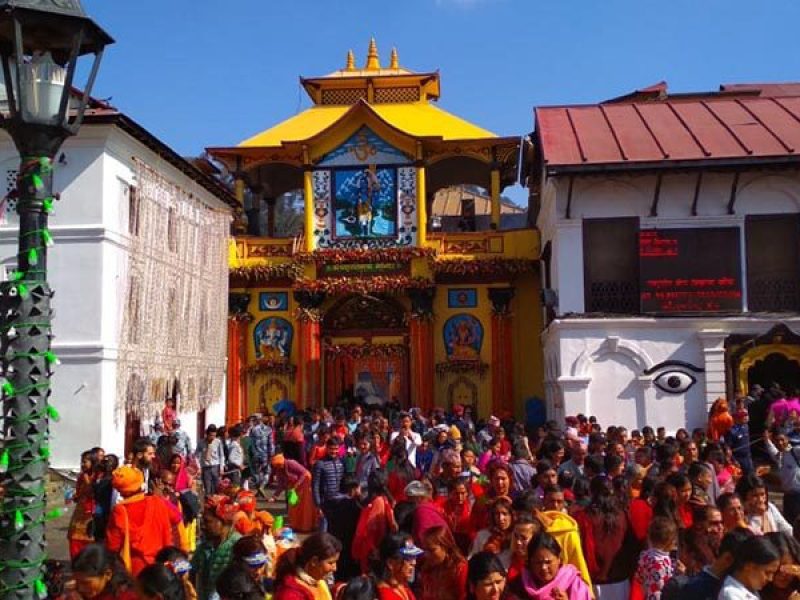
{"x": 264, "y": 273}
{"x": 364, "y": 256}
{"x": 461, "y": 367}
{"x": 308, "y": 315}
{"x": 482, "y": 267}
{"x": 272, "y": 367}
{"x": 365, "y": 350}
{"x": 380, "y": 284}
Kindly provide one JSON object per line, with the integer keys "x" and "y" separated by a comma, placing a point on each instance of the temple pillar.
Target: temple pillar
{"x": 495, "y": 197}
{"x": 502, "y": 351}
{"x": 308, "y": 200}
{"x": 270, "y": 202}
{"x": 422, "y": 202}
{"x": 422, "y": 356}
{"x": 238, "y": 319}
{"x": 309, "y": 368}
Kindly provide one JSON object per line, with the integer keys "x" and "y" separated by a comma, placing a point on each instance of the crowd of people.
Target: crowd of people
{"x": 392, "y": 505}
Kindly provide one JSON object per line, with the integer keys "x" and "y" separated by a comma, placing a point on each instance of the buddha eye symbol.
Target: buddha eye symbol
{"x": 674, "y": 382}
{"x": 675, "y": 377}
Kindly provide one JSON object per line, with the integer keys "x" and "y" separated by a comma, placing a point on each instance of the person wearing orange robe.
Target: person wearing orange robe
{"x": 139, "y": 525}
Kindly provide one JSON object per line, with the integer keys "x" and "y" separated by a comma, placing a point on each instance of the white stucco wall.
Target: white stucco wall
{"x": 89, "y": 228}
{"x": 596, "y": 366}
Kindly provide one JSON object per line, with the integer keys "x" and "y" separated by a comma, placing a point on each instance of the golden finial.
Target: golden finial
{"x": 373, "y": 62}
{"x": 351, "y": 61}
{"x": 395, "y": 60}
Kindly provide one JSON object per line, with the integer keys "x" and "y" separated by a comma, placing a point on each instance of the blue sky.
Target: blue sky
{"x": 211, "y": 73}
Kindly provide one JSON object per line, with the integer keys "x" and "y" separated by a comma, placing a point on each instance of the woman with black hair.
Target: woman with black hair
{"x": 100, "y": 575}
{"x": 497, "y": 536}
{"x": 604, "y": 528}
{"x": 236, "y": 583}
{"x": 301, "y": 573}
{"x": 251, "y": 554}
{"x": 104, "y": 494}
{"x": 786, "y": 582}
{"x": 486, "y": 577}
{"x": 178, "y": 562}
{"x": 159, "y": 582}
{"x": 81, "y": 530}
{"x": 545, "y": 576}
{"x": 757, "y": 561}
{"x": 761, "y": 514}
{"x": 363, "y": 587}
{"x": 683, "y": 494}
{"x": 375, "y": 521}
{"x": 399, "y": 559}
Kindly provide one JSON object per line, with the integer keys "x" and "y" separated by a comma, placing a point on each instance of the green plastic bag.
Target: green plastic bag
{"x": 277, "y": 525}
{"x": 292, "y": 498}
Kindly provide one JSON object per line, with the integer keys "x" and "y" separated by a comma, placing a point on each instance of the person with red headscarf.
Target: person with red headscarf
{"x": 720, "y": 420}
{"x": 139, "y": 525}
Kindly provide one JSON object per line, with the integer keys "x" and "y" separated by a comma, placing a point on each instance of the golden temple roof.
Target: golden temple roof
{"x": 415, "y": 119}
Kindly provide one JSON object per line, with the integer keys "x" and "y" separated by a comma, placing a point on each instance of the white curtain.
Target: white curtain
{"x": 175, "y": 286}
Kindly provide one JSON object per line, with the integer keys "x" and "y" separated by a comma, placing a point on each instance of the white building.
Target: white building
{"x": 671, "y": 251}
{"x": 91, "y": 266}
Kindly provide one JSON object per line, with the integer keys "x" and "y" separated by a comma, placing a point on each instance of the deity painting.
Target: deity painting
{"x": 273, "y": 339}
{"x": 273, "y": 301}
{"x": 463, "y": 337}
{"x": 462, "y": 298}
{"x": 365, "y": 202}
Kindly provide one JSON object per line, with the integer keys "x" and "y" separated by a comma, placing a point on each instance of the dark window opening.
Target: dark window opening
{"x": 773, "y": 262}
{"x": 611, "y": 265}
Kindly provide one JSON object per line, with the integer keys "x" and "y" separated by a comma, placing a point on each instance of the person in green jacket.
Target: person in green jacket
{"x": 215, "y": 552}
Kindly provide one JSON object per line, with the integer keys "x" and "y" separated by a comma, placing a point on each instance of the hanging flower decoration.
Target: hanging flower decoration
{"x": 380, "y": 284}
{"x": 483, "y": 267}
{"x": 265, "y": 273}
{"x": 366, "y": 350}
{"x": 308, "y": 315}
{"x": 271, "y": 367}
{"x": 461, "y": 367}
{"x": 338, "y": 256}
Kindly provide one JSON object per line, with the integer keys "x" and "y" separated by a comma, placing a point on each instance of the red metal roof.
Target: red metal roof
{"x": 740, "y": 123}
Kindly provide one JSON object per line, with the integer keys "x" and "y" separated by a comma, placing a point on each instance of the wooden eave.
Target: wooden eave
{"x": 427, "y": 82}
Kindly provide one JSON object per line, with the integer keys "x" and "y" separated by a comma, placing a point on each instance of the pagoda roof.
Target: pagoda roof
{"x": 420, "y": 120}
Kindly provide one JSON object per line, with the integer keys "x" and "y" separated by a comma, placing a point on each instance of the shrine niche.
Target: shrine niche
{"x": 462, "y": 391}
{"x": 356, "y": 315}
{"x": 463, "y": 338}
{"x": 273, "y": 339}
{"x": 271, "y": 393}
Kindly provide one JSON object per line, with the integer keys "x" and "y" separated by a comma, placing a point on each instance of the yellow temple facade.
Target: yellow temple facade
{"x": 370, "y": 299}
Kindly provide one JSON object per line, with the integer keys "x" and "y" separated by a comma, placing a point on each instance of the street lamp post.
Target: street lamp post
{"x": 41, "y": 42}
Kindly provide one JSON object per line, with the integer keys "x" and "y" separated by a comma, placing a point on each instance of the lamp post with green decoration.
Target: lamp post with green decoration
{"x": 41, "y": 45}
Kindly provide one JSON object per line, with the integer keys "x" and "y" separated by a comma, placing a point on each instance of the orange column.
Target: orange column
{"x": 422, "y": 358}
{"x": 309, "y": 369}
{"x": 238, "y": 318}
{"x": 502, "y": 352}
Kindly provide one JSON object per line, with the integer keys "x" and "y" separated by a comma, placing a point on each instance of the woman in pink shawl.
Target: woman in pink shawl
{"x": 183, "y": 480}
{"x": 545, "y": 578}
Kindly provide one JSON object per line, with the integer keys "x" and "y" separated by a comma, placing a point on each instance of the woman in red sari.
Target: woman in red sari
{"x": 444, "y": 574}
{"x": 376, "y": 520}
{"x": 457, "y": 509}
{"x": 291, "y": 475}
{"x": 79, "y": 533}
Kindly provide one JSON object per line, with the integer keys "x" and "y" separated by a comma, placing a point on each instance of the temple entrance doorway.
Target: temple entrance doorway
{"x": 365, "y": 351}
{"x": 775, "y": 368}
